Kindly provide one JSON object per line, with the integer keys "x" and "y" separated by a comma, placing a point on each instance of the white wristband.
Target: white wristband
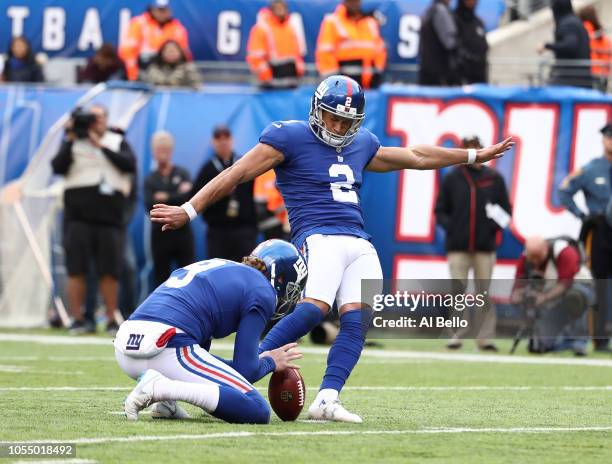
{"x": 190, "y": 210}
{"x": 471, "y": 152}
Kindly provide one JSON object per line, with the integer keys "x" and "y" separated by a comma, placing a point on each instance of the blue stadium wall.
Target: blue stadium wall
{"x": 218, "y": 30}
{"x": 556, "y": 130}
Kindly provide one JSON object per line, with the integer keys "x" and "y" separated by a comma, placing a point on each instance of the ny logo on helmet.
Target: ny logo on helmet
{"x": 300, "y": 268}
{"x": 134, "y": 341}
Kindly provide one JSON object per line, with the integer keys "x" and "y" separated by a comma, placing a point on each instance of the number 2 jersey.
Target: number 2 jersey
{"x": 320, "y": 185}
{"x": 210, "y": 299}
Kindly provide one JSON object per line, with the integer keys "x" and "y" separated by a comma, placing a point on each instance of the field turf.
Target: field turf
{"x": 419, "y": 404}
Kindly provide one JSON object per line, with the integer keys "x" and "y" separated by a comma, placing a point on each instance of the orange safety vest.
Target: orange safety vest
{"x": 272, "y": 43}
{"x": 601, "y": 50}
{"x": 264, "y": 189}
{"x": 347, "y": 39}
{"x": 145, "y": 37}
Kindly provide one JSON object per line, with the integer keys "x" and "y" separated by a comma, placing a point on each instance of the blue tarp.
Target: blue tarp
{"x": 557, "y": 130}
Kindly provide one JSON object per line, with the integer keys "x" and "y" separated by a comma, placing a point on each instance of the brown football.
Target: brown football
{"x": 287, "y": 394}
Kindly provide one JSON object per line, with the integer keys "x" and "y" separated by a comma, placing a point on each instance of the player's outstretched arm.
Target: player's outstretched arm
{"x": 258, "y": 160}
{"x": 431, "y": 157}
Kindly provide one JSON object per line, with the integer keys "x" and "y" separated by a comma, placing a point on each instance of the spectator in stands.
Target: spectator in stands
{"x": 571, "y": 43}
{"x": 171, "y": 68}
{"x": 595, "y": 181}
{"x": 601, "y": 46}
{"x": 270, "y": 207}
{"x": 551, "y": 277}
{"x": 349, "y": 43}
{"x": 103, "y": 66}
{"x": 472, "y": 43}
{"x": 438, "y": 46}
{"x": 147, "y": 33}
{"x": 273, "y": 50}
{"x": 472, "y": 207}
{"x": 232, "y": 222}
{"x": 20, "y": 64}
{"x": 97, "y": 164}
{"x": 169, "y": 184}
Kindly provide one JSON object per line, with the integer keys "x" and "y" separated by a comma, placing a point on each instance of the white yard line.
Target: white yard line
{"x": 59, "y": 358}
{"x": 60, "y": 389}
{"x": 355, "y": 388}
{"x": 55, "y": 339}
{"x": 30, "y": 370}
{"x": 56, "y": 461}
{"x": 12, "y": 369}
{"x": 367, "y": 353}
{"x": 122, "y": 413}
{"x": 355, "y": 432}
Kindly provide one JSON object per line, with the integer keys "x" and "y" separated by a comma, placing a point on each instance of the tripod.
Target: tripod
{"x": 528, "y": 329}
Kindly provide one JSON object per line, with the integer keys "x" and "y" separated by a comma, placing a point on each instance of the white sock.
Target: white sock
{"x": 206, "y": 396}
{"x": 327, "y": 394}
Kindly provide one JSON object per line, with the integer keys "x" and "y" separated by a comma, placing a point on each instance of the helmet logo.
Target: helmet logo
{"x": 300, "y": 268}
{"x": 323, "y": 87}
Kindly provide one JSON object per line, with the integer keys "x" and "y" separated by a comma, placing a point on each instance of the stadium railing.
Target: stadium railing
{"x": 531, "y": 71}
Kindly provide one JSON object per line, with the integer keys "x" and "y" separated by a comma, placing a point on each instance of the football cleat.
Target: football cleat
{"x": 142, "y": 395}
{"x": 168, "y": 410}
{"x": 332, "y": 411}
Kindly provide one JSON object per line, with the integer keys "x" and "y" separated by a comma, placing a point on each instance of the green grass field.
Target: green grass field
{"x": 419, "y": 404}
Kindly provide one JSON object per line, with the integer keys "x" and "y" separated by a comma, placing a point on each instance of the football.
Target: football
{"x": 287, "y": 393}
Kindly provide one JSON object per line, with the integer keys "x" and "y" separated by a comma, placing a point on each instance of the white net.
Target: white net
{"x": 29, "y": 226}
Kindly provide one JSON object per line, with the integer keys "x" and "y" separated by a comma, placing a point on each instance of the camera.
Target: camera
{"x": 82, "y": 120}
{"x": 535, "y": 286}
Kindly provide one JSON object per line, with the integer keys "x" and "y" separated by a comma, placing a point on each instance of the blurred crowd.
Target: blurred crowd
{"x": 453, "y": 48}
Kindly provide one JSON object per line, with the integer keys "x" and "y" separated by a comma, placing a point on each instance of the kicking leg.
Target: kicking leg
{"x": 324, "y": 277}
{"x": 306, "y": 316}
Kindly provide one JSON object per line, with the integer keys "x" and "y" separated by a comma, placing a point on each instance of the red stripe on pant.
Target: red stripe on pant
{"x": 213, "y": 373}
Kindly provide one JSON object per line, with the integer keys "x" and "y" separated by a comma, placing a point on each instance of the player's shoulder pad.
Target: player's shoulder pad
{"x": 276, "y": 127}
{"x": 281, "y": 132}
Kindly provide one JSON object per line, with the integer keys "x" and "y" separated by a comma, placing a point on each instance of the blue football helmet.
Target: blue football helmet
{"x": 286, "y": 270}
{"x": 343, "y": 97}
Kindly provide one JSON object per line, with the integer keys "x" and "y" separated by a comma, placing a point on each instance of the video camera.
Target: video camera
{"x": 534, "y": 286}
{"x": 82, "y": 120}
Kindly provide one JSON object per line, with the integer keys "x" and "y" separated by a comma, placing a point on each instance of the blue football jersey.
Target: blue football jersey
{"x": 320, "y": 184}
{"x": 208, "y": 299}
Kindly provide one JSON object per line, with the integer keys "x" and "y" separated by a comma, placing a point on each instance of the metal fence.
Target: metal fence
{"x": 537, "y": 71}
{"x": 522, "y": 9}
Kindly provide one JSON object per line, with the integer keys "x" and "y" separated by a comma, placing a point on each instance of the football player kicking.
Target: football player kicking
{"x": 165, "y": 342}
{"x": 319, "y": 167}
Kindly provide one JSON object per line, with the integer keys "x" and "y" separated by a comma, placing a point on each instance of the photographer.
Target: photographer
{"x": 96, "y": 163}
{"x": 553, "y": 283}
{"x": 593, "y": 180}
